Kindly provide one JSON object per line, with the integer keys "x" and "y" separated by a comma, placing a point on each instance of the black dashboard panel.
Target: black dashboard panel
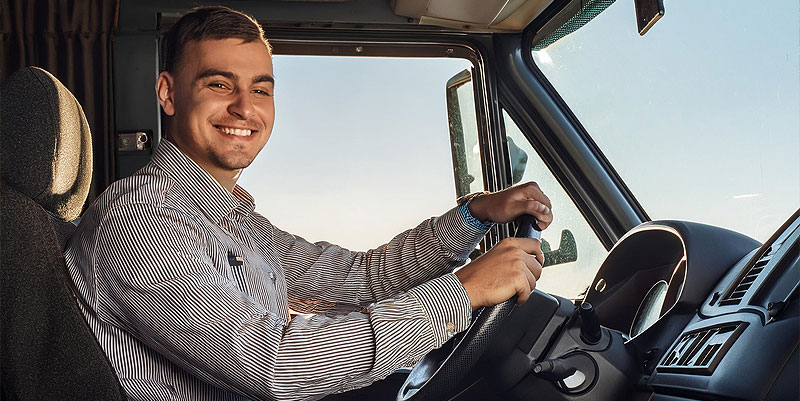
{"x": 762, "y": 278}
{"x": 727, "y": 325}
{"x": 645, "y": 256}
{"x": 746, "y": 370}
{"x": 691, "y": 257}
{"x": 743, "y": 342}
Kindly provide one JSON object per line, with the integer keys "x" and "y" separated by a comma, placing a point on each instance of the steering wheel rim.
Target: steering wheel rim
{"x": 433, "y": 377}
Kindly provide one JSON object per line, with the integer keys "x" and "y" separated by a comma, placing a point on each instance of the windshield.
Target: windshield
{"x": 699, "y": 116}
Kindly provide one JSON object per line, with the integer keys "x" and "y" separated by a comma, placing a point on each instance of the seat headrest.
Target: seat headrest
{"x": 46, "y": 142}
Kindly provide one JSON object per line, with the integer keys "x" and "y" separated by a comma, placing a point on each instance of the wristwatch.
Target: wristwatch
{"x": 466, "y": 199}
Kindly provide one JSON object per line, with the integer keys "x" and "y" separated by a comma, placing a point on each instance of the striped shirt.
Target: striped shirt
{"x": 188, "y": 291}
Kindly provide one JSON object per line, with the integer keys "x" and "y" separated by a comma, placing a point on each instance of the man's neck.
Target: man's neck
{"x": 225, "y": 177}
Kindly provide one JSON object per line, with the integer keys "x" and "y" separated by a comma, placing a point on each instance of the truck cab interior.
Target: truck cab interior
{"x": 420, "y": 102}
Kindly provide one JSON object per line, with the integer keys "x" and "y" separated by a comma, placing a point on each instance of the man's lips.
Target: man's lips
{"x": 236, "y": 131}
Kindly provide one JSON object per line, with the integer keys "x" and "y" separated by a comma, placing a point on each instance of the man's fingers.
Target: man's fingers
{"x": 531, "y": 246}
{"x": 511, "y": 267}
{"x": 542, "y": 212}
{"x": 510, "y": 203}
{"x": 531, "y": 190}
{"x": 534, "y": 265}
{"x": 536, "y": 203}
{"x": 532, "y": 278}
{"x": 522, "y": 296}
{"x": 534, "y": 257}
{"x": 525, "y": 291}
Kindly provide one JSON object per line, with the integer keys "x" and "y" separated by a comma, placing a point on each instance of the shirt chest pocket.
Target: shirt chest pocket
{"x": 254, "y": 277}
{"x": 238, "y": 270}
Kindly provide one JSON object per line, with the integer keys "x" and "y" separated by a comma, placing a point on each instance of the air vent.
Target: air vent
{"x": 699, "y": 352}
{"x": 735, "y": 296}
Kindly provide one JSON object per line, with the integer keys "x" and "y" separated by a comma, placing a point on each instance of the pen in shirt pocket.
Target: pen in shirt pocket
{"x": 234, "y": 260}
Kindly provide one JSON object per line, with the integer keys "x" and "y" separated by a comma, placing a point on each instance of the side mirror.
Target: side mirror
{"x": 567, "y": 250}
{"x": 519, "y": 160}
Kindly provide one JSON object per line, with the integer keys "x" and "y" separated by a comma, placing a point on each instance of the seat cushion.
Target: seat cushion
{"x": 47, "y": 350}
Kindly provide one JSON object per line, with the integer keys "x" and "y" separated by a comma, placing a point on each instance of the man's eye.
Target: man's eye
{"x": 261, "y": 92}
{"x": 217, "y": 85}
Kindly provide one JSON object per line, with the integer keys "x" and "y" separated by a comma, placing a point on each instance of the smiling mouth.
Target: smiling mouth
{"x": 235, "y": 131}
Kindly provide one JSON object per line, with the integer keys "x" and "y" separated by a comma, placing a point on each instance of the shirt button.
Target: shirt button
{"x": 450, "y": 328}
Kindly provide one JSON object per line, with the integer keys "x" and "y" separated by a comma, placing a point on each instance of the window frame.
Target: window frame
{"x": 562, "y": 142}
{"x": 475, "y": 48}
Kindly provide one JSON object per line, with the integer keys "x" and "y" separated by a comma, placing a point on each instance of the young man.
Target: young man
{"x": 186, "y": 287}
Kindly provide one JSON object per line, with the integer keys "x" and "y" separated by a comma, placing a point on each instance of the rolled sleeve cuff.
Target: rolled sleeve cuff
{"x": 457, "y": 234}
{"x": 446, "y": 306}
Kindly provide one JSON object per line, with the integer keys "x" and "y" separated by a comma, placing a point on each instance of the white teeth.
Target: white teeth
{"x": 236, "y": 131}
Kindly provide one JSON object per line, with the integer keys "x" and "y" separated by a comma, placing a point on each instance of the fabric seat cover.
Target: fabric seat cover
{"x": 47, "y": 350}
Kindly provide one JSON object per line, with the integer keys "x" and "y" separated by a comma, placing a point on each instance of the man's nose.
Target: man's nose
{"x": 241, "y": 106}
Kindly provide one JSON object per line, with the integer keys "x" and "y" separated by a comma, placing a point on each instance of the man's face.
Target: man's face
{"x": 220, "y": 102}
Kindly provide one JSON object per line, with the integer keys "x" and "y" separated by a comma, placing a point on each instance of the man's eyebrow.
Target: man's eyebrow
{"x": 264, "y": 78}
{"x": 213, "y": 71}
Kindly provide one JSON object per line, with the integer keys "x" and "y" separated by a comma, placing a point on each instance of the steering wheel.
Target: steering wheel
{"x": 434, "y": 377}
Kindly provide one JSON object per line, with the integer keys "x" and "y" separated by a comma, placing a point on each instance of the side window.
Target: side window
{"x": 464, "y": 134}
{"x": 360, "y": 149}
{"x": 578, "y": 252}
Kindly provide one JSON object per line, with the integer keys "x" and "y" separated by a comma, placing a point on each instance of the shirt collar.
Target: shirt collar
{"x": 212, "y": 198}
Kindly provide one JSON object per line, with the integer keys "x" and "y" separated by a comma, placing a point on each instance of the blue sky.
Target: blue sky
{"x": 360, "y": 148}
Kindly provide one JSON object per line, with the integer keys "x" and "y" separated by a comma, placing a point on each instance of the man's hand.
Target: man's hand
{"x": 511, "y": 267}
{"x": 508, "y": 204}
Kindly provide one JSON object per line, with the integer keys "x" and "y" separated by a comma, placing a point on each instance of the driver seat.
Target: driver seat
{"x": 47, "y": 350}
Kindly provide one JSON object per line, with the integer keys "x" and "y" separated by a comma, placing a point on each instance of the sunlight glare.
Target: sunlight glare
{"x": 543, "y": 57}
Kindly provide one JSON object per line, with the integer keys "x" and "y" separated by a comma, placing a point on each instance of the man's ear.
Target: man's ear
{"x": 165, "y": 92}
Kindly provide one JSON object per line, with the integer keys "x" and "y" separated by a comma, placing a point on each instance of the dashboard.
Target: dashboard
{"x": 686, "y": 312}
{"x": 742, "y": 342}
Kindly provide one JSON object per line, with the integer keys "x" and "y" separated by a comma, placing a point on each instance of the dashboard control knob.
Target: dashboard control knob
{"x": 572, "y": 373}
{"x": 590, "y": 325}
{"x": 553, "y": 370}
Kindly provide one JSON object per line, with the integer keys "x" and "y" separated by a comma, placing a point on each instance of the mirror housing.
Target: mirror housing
{"x": 567, "y": 250}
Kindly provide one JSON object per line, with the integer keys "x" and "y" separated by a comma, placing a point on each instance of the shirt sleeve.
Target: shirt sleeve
{"x": 331, "y": 273}
{"x": 155, "y": 280}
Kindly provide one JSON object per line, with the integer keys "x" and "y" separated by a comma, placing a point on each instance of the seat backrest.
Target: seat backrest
{"x": 46, "y": 347}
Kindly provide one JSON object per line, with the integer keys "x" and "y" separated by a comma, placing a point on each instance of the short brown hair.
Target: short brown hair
{"x": 206, "y": 23}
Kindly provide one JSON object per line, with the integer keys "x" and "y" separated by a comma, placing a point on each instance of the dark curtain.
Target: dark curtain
{"x": 73, "y": 40}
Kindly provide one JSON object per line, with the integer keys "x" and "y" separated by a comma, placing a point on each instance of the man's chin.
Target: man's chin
{"x": 234, "y": 163}
{"x": 237, "y": 165}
